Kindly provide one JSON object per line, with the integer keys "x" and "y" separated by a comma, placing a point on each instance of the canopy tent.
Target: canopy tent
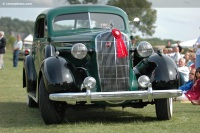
{"x": 186, "y": 44}
{"x": 29, "y": 39}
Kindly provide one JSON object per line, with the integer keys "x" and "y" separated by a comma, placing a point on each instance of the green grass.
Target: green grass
{"x": 16, "y": 117}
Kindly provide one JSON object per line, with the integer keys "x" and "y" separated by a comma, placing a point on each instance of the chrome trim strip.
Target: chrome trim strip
{"x": 51, "y": 50}
{"x": 89, "y": 20}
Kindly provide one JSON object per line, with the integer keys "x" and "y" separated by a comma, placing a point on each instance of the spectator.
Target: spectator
{"x": 191, "y": 50}
{"x": 168, "y": 44}
{"x": 179, "y": 46}
{"x": 170, "y": 51}
{"x": 165, "y": 51}
{"x": 176, "y": 55}
{"x": 194, "y": 93}
{"x": 197, "y": 47}
{"x": 133, "y": 41}
{"x": 16, "y": 49}
{"x": 187, "y": 86}
{"x": 2, "y": 48}
{"x": 187, "y": 59}
{"x": 183, "y": 70}
{"x": 193, "y": 60}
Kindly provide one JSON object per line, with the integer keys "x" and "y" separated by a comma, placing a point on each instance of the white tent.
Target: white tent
{"x": 186, "y": 44}
{"x": 29, "y": 39}
{"x": 189, "y": 43}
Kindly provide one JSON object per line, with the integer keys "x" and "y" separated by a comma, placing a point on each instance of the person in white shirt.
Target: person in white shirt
{"x": 16, "y": 49}
{"x": 183, "y": 70}
{"x": 197, "y": 47}
{"x": 176, "y": 55}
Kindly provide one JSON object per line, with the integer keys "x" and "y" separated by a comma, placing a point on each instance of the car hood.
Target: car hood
{"x": 78, "y": 37}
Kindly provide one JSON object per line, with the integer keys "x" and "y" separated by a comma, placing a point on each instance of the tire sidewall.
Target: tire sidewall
{"x": 48, "y": 108}
{"x": 164, "y": 108}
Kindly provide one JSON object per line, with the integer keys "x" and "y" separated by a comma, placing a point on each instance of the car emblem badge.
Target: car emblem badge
{"x": 108, "y": 44}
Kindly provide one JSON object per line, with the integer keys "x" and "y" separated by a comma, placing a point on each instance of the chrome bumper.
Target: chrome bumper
{"x": 115, "y": 96}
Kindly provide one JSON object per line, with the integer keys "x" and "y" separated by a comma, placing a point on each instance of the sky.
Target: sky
{"x": 176, "y": 19}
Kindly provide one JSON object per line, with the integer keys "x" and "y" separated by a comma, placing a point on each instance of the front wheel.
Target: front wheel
{"x": 164, "y": 108}
{"x": 52, "y": 112}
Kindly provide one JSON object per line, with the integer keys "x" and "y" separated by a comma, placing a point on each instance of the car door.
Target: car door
{"x": 39, "y": 42}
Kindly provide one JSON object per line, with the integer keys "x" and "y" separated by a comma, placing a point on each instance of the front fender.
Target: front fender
{"x": 57, "y": 75}
{"x": 166, "y": 74}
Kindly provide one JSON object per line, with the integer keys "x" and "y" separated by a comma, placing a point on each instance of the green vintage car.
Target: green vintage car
{"x": 82, "y": 56}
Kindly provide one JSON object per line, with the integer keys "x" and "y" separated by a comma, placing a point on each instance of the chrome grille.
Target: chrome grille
{"x": 113, "y": 71}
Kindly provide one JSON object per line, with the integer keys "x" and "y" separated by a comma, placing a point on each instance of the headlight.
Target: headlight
{"x": 89, "y": 82}
{"x": 144, "y": 49}
{"x": 79, "y": 51}
{"x": 143, "y": 81}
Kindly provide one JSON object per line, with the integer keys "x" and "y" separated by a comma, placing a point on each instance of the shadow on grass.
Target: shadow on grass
{"x": 107, "y": 116}
{"x": 17, "y": 114}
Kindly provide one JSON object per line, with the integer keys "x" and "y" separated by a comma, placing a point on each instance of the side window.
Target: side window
{"x": 45, "y": 29}
{"x": 40, "y": 28}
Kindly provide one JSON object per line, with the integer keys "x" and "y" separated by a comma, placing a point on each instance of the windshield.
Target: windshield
{"x": 88, "y": 21}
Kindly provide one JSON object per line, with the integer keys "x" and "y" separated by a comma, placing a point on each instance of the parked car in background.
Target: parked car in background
{"x": 81, "y": 56}
{"x": 26, "y": 50}
{"x": 27, "y": 47}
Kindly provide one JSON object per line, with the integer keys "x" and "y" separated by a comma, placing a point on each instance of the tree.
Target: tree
{"x": 141, "y": 9}
{"x": 9, "y": 25}
{"x": 73, "y": 1}
{"x": 10, "y": 41}
{"x": 83, "y": 1}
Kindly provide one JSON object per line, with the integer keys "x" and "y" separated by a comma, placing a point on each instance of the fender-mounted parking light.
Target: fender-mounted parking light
{"x": 144, "y": 81}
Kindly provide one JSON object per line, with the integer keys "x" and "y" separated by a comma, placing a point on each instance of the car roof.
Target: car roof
{"x": 51, "y": 13}
{"x": 83, "y": 8}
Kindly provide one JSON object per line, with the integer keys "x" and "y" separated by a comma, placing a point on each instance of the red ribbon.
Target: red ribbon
{"x": 121, "y": 48}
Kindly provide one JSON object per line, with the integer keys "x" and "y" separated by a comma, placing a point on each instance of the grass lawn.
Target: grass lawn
{"x": 16, "y": 117}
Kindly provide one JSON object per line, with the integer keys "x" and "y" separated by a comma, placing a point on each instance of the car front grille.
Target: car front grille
{"x": 113, "y": 71}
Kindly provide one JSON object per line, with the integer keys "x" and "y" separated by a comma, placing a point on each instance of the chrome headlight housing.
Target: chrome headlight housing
{"x": 144, "y": 81}
{"x": 79, "y": 51}
{"x": 145, "y": 49}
